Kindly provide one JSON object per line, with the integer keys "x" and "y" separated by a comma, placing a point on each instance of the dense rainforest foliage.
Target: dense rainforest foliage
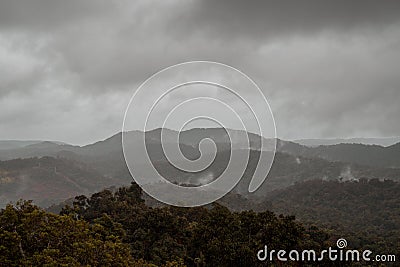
{"x": 118, "y": 229}
{"x": 367, "y": 212}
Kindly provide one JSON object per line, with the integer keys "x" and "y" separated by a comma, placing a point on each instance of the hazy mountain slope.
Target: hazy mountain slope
{"x": 13, "y": 144}
{"x": 101, "y": 153}
{"x": 371, "y": 155}
{"x": 288, "y": 170}
{"x": 112, "y": 144}
{"x": 385, "y": 141}
{"x": 49, "y": 180}
{"x": 107, "y": 156}
{"x": 294, "y": 162}
{"x": 363, "y": 154}
{"x": 36, "y": 150}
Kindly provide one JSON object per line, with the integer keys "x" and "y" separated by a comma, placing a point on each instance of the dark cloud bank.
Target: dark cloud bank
{"x": 328, "y": 68}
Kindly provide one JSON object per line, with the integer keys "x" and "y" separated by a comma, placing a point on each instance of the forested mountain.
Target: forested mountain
{"x": 49, "y": 180}
{"x": 112, "y": 146}
{"x": 102, "y": 152}
{"x": 368, "y": 211}
{"x": 370, "y": 155}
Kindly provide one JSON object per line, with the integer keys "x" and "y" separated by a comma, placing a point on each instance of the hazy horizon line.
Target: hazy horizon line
{"x": 277, "y": 137}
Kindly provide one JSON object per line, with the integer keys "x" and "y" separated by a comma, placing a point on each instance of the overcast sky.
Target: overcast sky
{"x": 328, "y": 68}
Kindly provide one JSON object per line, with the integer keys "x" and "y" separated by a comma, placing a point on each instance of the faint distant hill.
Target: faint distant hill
{"x": 386, "y": 141}
{"x": 49, "y": 180}
{"x": 38, "y": 149}
{"x": 371, "y": 155}
{"x": 13, "y": 144}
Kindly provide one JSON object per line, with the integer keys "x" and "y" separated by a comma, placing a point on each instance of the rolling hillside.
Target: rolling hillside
{"x": 49, "y": 180}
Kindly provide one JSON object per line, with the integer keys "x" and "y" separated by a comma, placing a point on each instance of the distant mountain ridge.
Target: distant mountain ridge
{"x": 13, "y": 144}
{"x": 313, "y": 142}
{"x": 370, "y": 155}
{"x": 111, "y": 148}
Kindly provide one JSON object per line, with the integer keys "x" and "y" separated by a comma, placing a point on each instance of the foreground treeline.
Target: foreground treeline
{"x": 29, "y": 236}
{"x": 118, "y": 229}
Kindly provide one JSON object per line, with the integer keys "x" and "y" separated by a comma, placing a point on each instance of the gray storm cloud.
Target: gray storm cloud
{"x": 328, "y": 68}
